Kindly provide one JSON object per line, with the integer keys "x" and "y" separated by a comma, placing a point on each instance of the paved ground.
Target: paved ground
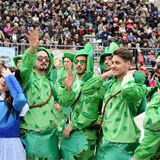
{"x": 139, "y": 122}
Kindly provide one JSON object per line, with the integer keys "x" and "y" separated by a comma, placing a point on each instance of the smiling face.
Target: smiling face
{"x": 120, "y": 67}
{"x": 108, "y": 62}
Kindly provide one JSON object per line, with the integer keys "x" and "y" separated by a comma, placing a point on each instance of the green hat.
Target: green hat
{"x": 69, "y": 56}
{"x": 16, "y": 58}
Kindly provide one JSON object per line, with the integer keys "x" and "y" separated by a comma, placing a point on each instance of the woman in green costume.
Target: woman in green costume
{"x": 119, "y": 132}
{"x": 67, "y": 66}
{"x": 40, "y": 125}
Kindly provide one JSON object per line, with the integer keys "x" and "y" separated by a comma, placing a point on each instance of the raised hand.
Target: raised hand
{"x": 5, "y": 72}
{"x": 33, "y": 38}
{"x": 68, "y": 81}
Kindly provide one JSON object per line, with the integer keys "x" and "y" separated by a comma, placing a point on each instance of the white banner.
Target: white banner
{"x": 6, "y": 55}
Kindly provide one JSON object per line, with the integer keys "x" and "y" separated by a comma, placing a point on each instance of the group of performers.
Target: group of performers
{"x": 73, "y": 113}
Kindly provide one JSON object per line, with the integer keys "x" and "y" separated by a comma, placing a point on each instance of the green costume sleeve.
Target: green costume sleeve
{"x": 151, "y": 142}
{"x": 148, "y": 146}
{"x": 95, "y": 87}
{"x": 152, "y": 115}
{"x": 27, "y": 72}
{"x": 131, "y": 91}
{"x": 64, "y": 97}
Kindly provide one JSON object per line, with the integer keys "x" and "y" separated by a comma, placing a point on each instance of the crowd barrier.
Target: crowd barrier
{"x": 97, "y": 50}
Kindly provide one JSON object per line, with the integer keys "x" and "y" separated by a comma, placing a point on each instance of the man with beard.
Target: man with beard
{"x": 150, "y": 145}
{"x": 105, "y": 59}
{"x": 79, "y": 140}
{"x": 122, "y": 96}
{"x": 42, "y": 121}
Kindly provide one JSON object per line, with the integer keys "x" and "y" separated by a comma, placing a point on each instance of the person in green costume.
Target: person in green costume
{"x": 17, "y": 60}
{"x": 67, "y": 63}
{"x": 119, "y": 132}
{"x": 40, "y": 125}
{"x": 105, "y": 60}
{"x": 79, "y": 139}
{"x": 150, "y": 145}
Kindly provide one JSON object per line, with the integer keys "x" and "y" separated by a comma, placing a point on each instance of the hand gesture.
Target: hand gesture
{"x": 67, "y": 131}
{"x": 5, "y": 72}
{"x": 133, "y": 158}
{"x": 107, "y": 74}
{"x": 33, "y": 38}
{"x": 69, "y": 81}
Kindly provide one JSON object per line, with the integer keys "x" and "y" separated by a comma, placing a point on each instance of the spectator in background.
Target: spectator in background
{"x": 104, "y": 35}
{"x": 8, "y": 30}
{"x": 53, "y": 17}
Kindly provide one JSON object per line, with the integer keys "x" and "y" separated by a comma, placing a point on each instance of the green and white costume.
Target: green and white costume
{"x": 82, "y": 140}
{"x": 40, "y": 125}
{"x": 120, "y": 134}
{"x": 150, "y": 145}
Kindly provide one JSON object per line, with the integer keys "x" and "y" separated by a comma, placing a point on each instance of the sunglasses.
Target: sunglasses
{"x": 82, "y": 62}
{"x": 41, "y": 58}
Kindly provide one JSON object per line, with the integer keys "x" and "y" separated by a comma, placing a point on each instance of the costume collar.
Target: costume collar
{"x": 2, "y": 95}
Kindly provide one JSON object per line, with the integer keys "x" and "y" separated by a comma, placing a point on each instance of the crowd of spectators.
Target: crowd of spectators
{"x": 129, "y": 23}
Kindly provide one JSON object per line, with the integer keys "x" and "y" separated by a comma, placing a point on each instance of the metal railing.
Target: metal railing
{"x": 20, "y": 47}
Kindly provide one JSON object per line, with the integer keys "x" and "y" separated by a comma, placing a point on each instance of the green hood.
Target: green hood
{"x": 108, "y": 52}
{"x": 157, "y": 54}
{"x": 87, "y": 51}
{"x": 69, "y": 56}
{"x": 51, "y": 56}
{"x": 16, "y": 58}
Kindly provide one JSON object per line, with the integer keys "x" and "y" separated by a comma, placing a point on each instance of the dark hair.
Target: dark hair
{"x": 8, "y": 100}
{"x": 124, "y": 53}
